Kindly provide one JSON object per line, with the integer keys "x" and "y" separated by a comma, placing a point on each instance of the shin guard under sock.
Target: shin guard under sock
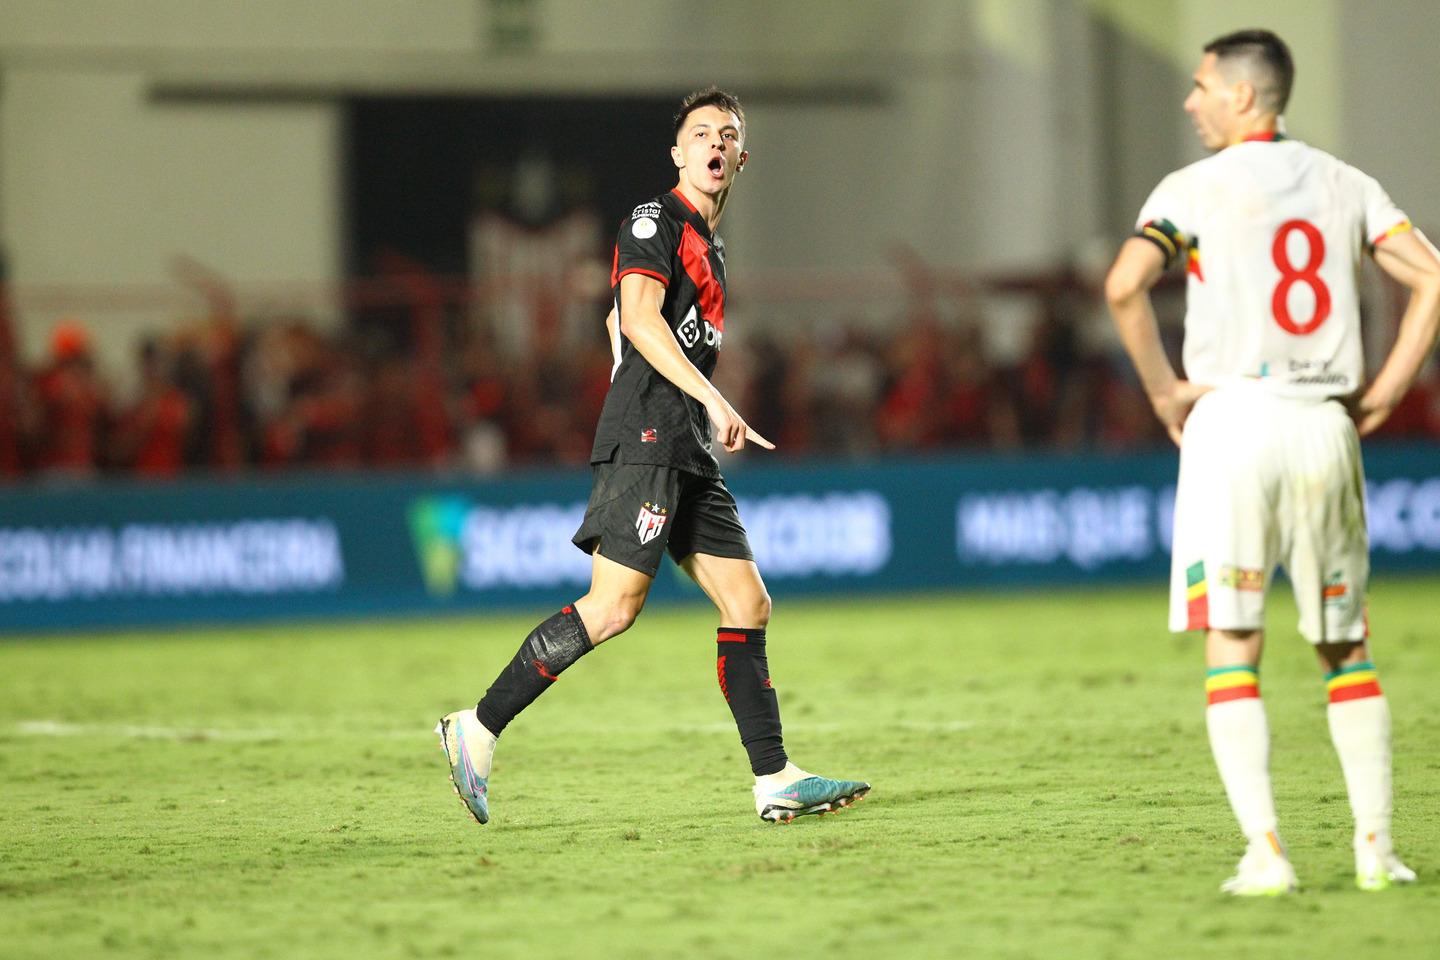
{"x": 744, "y": 676}
{"x": 550, "y": 648}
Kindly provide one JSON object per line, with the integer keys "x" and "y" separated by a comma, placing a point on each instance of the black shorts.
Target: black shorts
{"x": 637, "y": 511}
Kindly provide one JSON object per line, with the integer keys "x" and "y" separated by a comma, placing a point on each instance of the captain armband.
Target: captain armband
{"x": 1164, "y": 235}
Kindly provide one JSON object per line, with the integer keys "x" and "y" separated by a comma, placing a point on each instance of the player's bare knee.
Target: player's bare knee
{"x": 750, "y": 612}
{"x": 620, "y": 615}
{"x": 607, "y": 617}
{"x": 1338, "y": 656}
{"x": 761, "y": 612}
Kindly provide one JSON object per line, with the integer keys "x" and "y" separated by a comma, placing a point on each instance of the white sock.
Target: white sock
{"x": 1360, "y": 730}
{"x": 1240, "y": 741}
{"x": 781, "y": 779}
{"x": 481, "y": 743}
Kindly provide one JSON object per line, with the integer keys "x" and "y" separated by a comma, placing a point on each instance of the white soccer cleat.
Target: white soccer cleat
{"x": 1376, "y": 866}
{"x": 1264, "y": 871}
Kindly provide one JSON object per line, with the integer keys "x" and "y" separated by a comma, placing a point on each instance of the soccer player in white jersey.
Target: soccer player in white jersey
{"x": 1268, "y": 420}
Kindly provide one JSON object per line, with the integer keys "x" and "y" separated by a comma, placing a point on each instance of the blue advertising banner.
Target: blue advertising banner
{"x": 114, "y": 555}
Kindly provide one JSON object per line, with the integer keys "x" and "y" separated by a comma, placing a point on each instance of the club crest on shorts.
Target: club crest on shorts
{"x": 1336, "y": 591}
{"x": 650, "y": 521}
{"x": 648, "y": 435}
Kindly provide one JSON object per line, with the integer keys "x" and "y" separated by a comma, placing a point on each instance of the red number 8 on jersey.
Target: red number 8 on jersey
{"x": 1289, "y": 276}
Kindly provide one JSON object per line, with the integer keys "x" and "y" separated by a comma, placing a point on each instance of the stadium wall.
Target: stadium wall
{"x": 117, "y": 556}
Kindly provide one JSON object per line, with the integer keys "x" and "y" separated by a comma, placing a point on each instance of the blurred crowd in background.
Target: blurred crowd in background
{"x": 434, "y": 389}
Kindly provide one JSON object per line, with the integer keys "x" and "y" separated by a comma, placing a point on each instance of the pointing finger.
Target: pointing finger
{"x": 754, "y": 437}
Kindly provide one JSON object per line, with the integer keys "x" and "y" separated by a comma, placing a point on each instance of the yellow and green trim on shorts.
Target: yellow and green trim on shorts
{"x": 1197, "y": 598}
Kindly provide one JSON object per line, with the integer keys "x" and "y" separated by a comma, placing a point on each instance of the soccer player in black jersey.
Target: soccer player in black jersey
{"x": 657, "y": 487}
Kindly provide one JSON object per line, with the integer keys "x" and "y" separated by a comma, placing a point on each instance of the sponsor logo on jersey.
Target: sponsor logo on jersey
{"x": 1315, "y": 372}
{"x": 648, "y": 435}
{"x": 694, "y": 327}
{"x": 643, "y": 228}
{"x": 650, "y": 209}
{"x": 650, "y": 521}
{"x": 1242, "y": 578}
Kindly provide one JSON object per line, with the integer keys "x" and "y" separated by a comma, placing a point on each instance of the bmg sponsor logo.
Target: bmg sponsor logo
{"x": 693, "y": 327}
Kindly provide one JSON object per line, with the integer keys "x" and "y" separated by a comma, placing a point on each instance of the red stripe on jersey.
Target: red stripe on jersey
{"x": 615, "y": 266}
{"x": 695, "y": 255}
{"x": 684, "y": 199}
{"x": 664, "y": 280}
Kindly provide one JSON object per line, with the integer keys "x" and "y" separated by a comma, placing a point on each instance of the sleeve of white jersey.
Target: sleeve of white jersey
{"x": 1382, "y": 218}
{"x": 1165, "y": 218}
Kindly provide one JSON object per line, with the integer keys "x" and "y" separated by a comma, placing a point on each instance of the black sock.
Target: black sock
{"x": 550, "y": 648}
{"x": 745, "y": 680}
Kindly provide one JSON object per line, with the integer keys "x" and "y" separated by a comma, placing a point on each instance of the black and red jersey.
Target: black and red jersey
{"x": 646, "y": 417}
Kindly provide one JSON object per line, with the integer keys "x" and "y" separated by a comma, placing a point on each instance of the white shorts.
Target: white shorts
{"x": 1266, "y": 480}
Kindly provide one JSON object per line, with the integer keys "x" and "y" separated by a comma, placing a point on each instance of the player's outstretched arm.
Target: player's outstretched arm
{"x": 1136, "y": 270}
{"x": 641, "y": 299}
{"x": 1412, "y": 260}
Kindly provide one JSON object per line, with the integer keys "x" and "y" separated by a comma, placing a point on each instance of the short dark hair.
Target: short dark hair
{"x": 1268, "y": 52}
{"x": 711, "y": 96}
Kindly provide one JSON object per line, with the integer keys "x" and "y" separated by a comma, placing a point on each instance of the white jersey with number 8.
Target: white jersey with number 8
{"x": 1271, "y": 232}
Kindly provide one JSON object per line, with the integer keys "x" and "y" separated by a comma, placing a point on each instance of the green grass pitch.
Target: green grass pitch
{"x": 1042, "y": 788}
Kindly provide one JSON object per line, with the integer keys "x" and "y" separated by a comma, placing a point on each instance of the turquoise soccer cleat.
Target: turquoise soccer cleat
{"x": 809, "y": 794}
{"x": 468, "y": 747}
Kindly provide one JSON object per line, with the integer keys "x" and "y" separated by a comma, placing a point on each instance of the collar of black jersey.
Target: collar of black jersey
{"x": 692, "y": 215}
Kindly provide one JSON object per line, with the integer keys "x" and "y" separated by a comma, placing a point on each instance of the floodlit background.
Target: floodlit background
{"x": 313, "y": 212}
